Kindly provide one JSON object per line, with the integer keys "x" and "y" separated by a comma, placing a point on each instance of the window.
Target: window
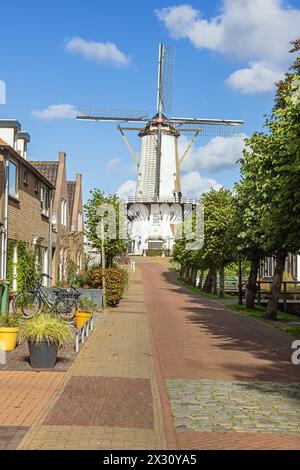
{"x": 63, "y": 212}
{"x": 44, "y": 197}
{"x": 36, "y": 185}
{"x": 12, "y": 180}
{"x": 80, "y": 221}
{"x": 25, "y": 177}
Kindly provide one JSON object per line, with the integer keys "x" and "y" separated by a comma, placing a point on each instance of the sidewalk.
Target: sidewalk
{"x": 166, "y": 369}
{"x": 107, "y": 400}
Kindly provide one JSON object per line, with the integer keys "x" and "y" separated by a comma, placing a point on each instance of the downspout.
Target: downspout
{"x": 4, "y": 239}
{"x": 50, "y": 238}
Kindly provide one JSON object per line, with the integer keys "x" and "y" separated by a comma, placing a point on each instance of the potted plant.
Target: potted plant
{"x": 9, "y": 329}
{"x": 86, "y": 307}
{"x": 45, "y": 334}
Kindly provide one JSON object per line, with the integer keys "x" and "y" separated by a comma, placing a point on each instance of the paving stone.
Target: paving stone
{"x": 104, "y": 401}
{"x": 212, "y": 411}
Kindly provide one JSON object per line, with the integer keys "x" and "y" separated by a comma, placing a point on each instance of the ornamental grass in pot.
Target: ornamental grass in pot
{"x": 9, "y": 329}
{"x": 45, "y": 334}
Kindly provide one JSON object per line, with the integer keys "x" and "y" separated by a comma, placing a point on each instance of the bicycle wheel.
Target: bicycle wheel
{"x": 26, "y": 304}
{"x": 66, "y": 309}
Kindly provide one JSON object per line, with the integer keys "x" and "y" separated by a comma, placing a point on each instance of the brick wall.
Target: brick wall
{"x": 25, "y": 219}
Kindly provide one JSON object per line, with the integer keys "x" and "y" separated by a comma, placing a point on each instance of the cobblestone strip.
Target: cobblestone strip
{"x": 240, "y": 406}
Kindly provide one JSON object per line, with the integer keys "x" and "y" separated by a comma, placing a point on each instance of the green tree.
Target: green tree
{"x": 219, "y": 232}
{"x": 114, "y": 244}
{"x": 219, "y": 242}
{"x": 271, "y": 169}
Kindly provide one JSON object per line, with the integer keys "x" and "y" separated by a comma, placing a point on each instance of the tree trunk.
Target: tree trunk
{"x": 186, "y": 272}
{"x": 222, "y": 283}
{"x": 181, "y": 272}
{"x": 191, "y": 276}
{"x": 208, "y": 281}
{"x": 201, "y": 279}
{"x": 271, "y": 312}
{"x": 251, "y": 285}
{"x": 214, "y": 284}
{"x": 194, "y": 276}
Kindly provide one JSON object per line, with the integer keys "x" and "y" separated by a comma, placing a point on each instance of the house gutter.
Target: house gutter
{"x": 4, "y": 234}
{"x": 50, "y": 238}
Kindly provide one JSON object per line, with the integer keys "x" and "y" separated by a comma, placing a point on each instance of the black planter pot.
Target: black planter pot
{"x": 42, "y": 355}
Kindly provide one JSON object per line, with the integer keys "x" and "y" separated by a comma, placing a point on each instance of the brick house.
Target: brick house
{"x": 67, "y": 219}
{"x": 25, "y": 201}
{"x": 76, "y": 238}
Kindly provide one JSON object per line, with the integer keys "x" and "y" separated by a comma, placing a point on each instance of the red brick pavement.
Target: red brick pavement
{"x": 196, "y": 338}
{"x": 104, "y": 401}
{"x": 236, "y": 441}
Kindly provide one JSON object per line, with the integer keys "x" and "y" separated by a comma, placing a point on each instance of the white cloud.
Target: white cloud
{"x": 256, "y": 78}
{"x": 116, "y": 165}
{"x": 106, "y": 53}
{"x": 126, "y": 189}
{"x": 220, "y": 152}
{"x": 2, "y": 92}
{"x": 256, "y": 32}
{"x": 193, "y": 184}
{"x": 57, "y": 111}
{"x": 113, "y": 164}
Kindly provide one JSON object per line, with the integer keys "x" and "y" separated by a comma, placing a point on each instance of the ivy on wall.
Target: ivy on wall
{"x": 26, "y": 266}
{"x": 10, "y": 261}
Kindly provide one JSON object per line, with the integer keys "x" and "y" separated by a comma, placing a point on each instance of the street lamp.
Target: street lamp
{"x": 103, "y": 264}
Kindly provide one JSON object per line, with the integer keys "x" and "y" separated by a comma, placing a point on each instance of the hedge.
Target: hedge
{"x": 115, "y": 280}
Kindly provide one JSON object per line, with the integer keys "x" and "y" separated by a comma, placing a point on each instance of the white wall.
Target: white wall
{"x": 8, "y": 135}
{"x": 167, "y": 167}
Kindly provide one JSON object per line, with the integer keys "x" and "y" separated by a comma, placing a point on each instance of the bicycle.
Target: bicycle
{"x": 28, "y": 304}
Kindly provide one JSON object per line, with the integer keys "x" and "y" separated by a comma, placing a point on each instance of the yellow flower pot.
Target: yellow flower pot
{"x": 8, "y": 338}
{"x": 81, "y": 318}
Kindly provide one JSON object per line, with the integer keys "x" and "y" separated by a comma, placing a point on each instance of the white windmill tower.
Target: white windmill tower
{"x": 156, "y": 208}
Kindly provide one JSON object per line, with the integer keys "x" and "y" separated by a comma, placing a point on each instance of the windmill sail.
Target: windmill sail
{"x": 90, "y": 113}
{"x": 165, "y": 88}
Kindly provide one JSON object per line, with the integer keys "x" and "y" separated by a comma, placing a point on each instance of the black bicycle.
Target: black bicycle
{"x": 33, "y": 302}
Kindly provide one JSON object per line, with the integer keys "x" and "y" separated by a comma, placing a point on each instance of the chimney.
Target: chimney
{"x": 79, "y": 179}
{"x": 22, "y": 139}
{"x": 62, "y": 157}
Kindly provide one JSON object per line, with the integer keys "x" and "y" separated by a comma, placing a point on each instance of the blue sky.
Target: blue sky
{"x": 225, "y": 68}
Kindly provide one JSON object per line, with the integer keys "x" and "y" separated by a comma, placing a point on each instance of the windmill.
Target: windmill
{"x": 158, "y": 181}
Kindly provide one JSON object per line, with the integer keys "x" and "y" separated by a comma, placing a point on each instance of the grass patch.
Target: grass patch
{"x": 202, "y": 293}
{"x": 282, "y": 322}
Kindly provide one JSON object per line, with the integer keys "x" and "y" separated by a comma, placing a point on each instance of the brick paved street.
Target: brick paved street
{"x": 228, "y": 378}
{"x": 165, "y": 369}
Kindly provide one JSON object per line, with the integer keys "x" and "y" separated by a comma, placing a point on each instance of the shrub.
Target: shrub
{"x": 9, "y": 321}
{"x": 85, "y": 304}
{"x": 48, "y": 328}
{"x": 26, "y": 267}
{"x": 115, "y": 280}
